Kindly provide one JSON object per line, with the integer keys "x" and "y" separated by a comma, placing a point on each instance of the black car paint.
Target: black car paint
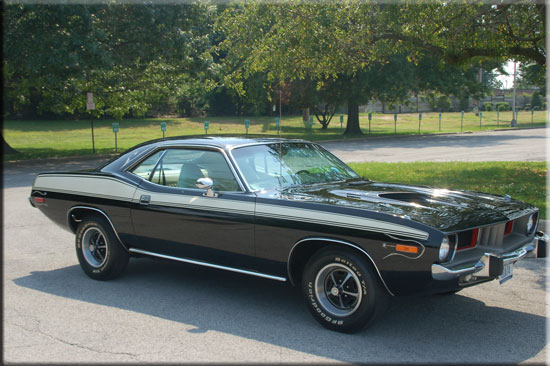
{"x": 264, "y": 244}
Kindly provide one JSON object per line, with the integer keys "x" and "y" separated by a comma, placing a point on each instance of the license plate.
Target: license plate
{"x": 507, "y": 273}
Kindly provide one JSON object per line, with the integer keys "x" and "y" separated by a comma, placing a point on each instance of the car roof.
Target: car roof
{"x": 224, "y": 141}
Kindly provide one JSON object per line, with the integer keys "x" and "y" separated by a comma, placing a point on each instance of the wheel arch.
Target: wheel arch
{"x": 303, "y": 249}
{"x": 77, "y": 213}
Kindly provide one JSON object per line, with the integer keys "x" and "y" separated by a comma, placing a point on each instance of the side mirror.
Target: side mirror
{"x": 206, "y": 183}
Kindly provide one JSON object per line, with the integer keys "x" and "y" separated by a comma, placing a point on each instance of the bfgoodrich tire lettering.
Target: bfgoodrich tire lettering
{"x": 342, "y": 291}
{"x": 99, "y": 253}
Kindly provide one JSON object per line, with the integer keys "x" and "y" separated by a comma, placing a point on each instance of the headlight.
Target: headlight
{"x": 531, "y": 223}
{"x": 444, "y": 249}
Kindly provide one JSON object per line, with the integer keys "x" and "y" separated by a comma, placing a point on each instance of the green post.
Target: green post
{"x": 532, "y": 112}
{"x": 115, "y": 130}
{"x": 461, "y": 120}
{"x": 247, "y": 125}
{"x": 93, "y": 142}
{"x": 278, "y": 124}
{"x": 370, "y": 118}
{"x": 206, "y": 125}
{"x": 311, "y": 125}
{"x": 419, "y": 121}
{"x": 395, "y": 123}
{"x": 163, "y": 128}
{"x": 439, "y": 121}
{"x": 480, "y": 116}
{"x": 498, "y": 117}
{"x": 341, "y": 122}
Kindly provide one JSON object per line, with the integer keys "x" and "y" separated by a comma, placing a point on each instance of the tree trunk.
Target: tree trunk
{"x": 305, "y": 114}
{"x": 352, "y": 127}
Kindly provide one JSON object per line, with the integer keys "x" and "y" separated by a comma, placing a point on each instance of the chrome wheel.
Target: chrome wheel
{"x": 94, "y": 247}
{"x": 338, "y": 289}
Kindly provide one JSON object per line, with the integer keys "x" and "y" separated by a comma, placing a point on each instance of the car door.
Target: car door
{"x": 171, "y": 216}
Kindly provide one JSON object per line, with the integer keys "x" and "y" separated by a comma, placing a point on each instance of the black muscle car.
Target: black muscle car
{"x": 287, "y": 210}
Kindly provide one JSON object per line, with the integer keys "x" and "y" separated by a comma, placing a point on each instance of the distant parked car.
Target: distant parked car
{"x": 287, "y": 210}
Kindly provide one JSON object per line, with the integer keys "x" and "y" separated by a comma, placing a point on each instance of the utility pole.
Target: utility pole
{"x": 514, "y": 123}
{"x": 280, "y": 104}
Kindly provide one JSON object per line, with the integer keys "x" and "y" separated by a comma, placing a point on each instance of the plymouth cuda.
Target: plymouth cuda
{"x": 287, "y": 210}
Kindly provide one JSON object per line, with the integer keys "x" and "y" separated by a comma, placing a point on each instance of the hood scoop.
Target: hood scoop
{"x": 411, "y": 199}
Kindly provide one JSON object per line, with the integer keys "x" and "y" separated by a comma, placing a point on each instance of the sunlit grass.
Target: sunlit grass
{"x": 525, "y": 181}
{"x": 34, "y": 139}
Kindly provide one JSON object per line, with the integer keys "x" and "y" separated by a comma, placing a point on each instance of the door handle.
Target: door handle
{"x": 144, "y": 199}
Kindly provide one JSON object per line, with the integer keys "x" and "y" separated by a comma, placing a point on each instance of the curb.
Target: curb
{"x": 15, "y": 163}
{"x": 423, "y": 135}
{"x": 61, "y": 159}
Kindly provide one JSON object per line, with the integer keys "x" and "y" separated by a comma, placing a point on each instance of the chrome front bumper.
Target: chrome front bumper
{"x": 488, "y": 266}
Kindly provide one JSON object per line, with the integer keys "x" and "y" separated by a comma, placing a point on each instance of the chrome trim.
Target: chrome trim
{"x": 541, "y": 236}
{"x": 206, "y": 264}
{"x": 442, "y": 273}
{"x": 229, "y": 162}
{"x": 481, "y": 267}
{"x": 339, "y": 242}
{"x": 101, "y": 212}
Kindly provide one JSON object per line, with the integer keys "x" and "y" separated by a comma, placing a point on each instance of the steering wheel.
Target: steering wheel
{"x": 303, "y": 171}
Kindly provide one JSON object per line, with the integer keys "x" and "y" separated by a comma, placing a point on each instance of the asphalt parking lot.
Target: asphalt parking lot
{"x": 171, "y": 312}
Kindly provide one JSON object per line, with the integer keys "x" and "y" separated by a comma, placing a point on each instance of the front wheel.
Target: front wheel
{"x": 100, "y": 254}
{"x": 342, "y": 291}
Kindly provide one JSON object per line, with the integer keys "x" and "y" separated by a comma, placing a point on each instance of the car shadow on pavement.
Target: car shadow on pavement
{"x": 441, "y": 329}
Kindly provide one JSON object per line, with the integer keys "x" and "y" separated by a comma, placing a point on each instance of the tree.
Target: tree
{"x": 302, "y": 41}
{"x": 344, "y": 40}
{"x": 532, "y": 75}
{"x": 129, "y": 56}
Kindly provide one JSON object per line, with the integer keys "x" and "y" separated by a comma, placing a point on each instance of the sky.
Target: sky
{"x": 508, "y": 80}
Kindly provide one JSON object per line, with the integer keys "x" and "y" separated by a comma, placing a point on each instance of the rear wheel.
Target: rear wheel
{"x": 99, "y": 252}
{"x": 342, "y": 291}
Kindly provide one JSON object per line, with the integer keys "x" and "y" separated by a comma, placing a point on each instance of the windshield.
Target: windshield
{"x": 288, "y": 164}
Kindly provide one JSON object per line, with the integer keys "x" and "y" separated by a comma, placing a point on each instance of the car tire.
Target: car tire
{"x": 342, "y": 290}
{"x": 99, "y": 252}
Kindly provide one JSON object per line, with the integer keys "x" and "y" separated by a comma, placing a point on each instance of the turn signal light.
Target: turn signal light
{"x": 406, "y": 248}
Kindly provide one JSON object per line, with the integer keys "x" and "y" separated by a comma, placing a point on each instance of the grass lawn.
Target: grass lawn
{"x": 525, "y": 181}
{"x": 35, "y": 139}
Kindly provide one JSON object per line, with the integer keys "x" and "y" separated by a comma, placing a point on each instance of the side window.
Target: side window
{"x": 182, "y": 168}
{"x": 145, "y": 169}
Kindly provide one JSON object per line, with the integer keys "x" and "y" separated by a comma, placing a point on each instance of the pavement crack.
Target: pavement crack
{"x": 57, "y": 339}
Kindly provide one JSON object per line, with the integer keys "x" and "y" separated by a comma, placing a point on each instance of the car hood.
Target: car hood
{"x": 445, "y": 210}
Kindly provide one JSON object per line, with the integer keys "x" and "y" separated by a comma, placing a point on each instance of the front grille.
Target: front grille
{"x": 492, "y": 236}
{"x": 495, "y": 236}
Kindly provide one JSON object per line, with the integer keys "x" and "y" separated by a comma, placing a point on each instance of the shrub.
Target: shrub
{"x": 544, "y": 106}
{"x": 488, "y": 106}
{"x": 444, "y": 103}
{"x": 536, "y": 100}
{"x": 503, "y": 106}
{"x": 464, "y": 104}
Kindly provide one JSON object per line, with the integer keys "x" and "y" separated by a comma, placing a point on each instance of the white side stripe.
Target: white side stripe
{"x": 111, "y": 188}
{"x": 335, "y": 219}
{"x": 96, "y": 186}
